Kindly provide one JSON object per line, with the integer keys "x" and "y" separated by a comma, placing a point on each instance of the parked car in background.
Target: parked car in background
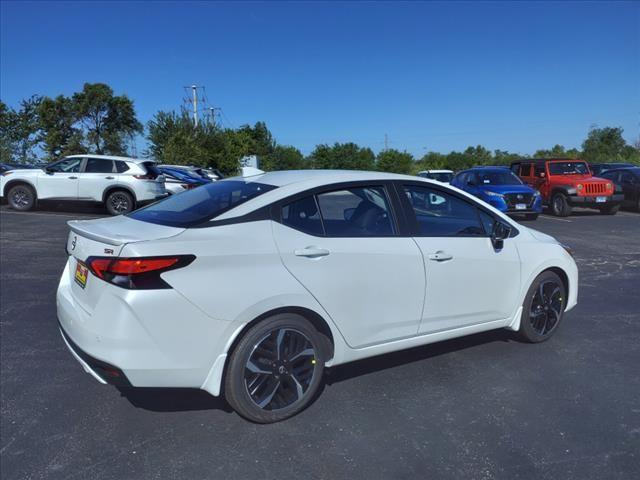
{"x": 332, "y": 266}
{"x": 598, "y": 168}
{"x": 178, "y": 180}
{"x": 500, "y": 188}
{"x": 121, "y": 184}
{"x": 443, "y": 176}
{"x": 565, "y": 183}
{"x": 627, "y": 180}
{"x": 206, "y": 173}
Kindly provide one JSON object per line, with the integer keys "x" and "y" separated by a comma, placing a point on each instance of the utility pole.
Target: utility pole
{"x": 194, "y": 90}
{"x": 386, "y": 142}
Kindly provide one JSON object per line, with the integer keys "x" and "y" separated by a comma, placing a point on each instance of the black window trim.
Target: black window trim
{"x": 413, "y": 222}
{"x": 395, "y": 208}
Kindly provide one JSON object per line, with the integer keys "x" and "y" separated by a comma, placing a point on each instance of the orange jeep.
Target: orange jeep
{"x": 564, "y": 183}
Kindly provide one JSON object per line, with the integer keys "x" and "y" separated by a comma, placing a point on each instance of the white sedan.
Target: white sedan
{"x": 250, "y": 287}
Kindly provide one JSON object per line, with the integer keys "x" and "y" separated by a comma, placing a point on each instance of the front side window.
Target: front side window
{"x": 194, "y": 207}
{"x": 525, "y": 170}
{"x": 98, "y": 165}
{"x": 68, "y": 165}
{"x": 356, "y": 212}
{"x": 440, "y": 214}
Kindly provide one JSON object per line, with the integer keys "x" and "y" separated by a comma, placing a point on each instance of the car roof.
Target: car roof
{"x": 321, "y": 177}
{"x": 112, "y": 157}
{"x": 486, "y": 168}
{"x": 624, "y": 169}
{"x": 435, "y": 170}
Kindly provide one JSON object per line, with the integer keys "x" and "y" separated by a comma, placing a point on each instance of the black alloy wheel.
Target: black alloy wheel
{"x": 543, "y": 308}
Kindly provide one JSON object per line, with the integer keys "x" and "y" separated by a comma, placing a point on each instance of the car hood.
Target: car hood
{"x": 541, "y": 237}
{"x": 506, "y": 188}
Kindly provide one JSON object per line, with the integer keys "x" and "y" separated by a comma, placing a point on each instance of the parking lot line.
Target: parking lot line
{"x": 556, "y": 218}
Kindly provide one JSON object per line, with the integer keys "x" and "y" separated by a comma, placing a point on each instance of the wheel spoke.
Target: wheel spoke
{"x": 299, "y": 389}
{"x": 307, "y": 352}
{"x": 256, "y": 369}
{"x": 279, "y": 339}
{"x": 267, "y": 399}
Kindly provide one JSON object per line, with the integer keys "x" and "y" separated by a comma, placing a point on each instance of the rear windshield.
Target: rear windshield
{"x": 201, "y": 204}
{"x": 439, "y": 176}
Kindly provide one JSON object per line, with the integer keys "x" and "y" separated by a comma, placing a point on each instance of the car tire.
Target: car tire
{"x": 531, "y": 216}
{"x": 119, "y": 202}
{"x": 610, "y": 209}
{"x": 560, "y": 205}
{"x": 543, "y": 308}
{"x": 276, "y": 369}
{"x": 21, "y": 197}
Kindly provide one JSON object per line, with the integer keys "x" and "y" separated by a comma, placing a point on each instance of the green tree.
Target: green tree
{"x": 430, "y": 161}
{"x": 605, "y": 145}
{"x": 8, "y": 137}
{"x": 108, "y": 120}
{"x": 283, "y": 158}
{"x": 343, "y": 156}
{"x": 395, "y": 161}
{"x": 19, "y": 131}
{"x": 57, "y": 131}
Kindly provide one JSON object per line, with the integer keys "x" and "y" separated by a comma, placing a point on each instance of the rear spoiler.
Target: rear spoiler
{"x": 77, "y": 228}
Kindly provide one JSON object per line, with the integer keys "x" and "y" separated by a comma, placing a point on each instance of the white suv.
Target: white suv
{"x": 120, "y": 183}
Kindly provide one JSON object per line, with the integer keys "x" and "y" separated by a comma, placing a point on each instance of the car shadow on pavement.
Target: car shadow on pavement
{"x": 347, "y": 371}
{"x": 173, "y": 399}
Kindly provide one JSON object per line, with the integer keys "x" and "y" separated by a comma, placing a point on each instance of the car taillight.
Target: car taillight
{"x": 9, "y": 172}
{"x": 137, "y": 273}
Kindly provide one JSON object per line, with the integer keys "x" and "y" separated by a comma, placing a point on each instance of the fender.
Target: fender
{"x": 118, "y": 186}
{"x": 568, "y": 190}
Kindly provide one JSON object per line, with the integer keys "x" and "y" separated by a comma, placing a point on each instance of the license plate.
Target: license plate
{"x": 601, "y": 199}
{"x": 521, "y": 206}
{"x": 81, "y": 274}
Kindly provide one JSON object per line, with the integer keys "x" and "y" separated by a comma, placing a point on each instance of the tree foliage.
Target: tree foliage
{"x": 344, "y": 156}
{"x": 395, "y": 161}
{"x": 608, "y": 145}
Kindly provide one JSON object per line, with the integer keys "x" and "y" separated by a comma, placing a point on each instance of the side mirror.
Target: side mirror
{"x": 499, "y": 234}
{"x": 471, "y": 183}
{"x": 348, "y": 213}
{"x": 49, "y": 171}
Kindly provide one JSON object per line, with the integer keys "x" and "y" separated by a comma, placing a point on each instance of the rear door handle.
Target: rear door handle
{"x": 109, "y": 178}
{"x": 311, "y": 252}
{"x": 72, "y": 178}
{"x": 440, "y": 256}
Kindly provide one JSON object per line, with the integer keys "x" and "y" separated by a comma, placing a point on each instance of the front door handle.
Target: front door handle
{"x": 109, "y": 178}
{"x": 311, "y": 252}
{"x": 440, "y": 256}
{"x": 72, "y": 178}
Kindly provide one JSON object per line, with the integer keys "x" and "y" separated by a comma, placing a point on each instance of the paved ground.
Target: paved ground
{"x": 480, "y": 407}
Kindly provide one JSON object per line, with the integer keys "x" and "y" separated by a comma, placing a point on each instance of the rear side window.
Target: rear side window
{"x": 303, "y": 215}
{"x": 356, "y": 212}
{"x": 200, "y": 205}
{"x": 439, "y": 214}
{"x": 98, "y": 165}
{"x": 121, "y": 167}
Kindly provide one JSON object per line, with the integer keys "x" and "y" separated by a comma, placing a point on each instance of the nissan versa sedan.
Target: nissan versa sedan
{"x": 250, "y": 287}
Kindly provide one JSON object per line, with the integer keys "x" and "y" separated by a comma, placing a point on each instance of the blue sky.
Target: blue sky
{"x": 432, "y": 76}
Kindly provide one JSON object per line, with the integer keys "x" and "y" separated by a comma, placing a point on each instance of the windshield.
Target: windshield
{"x": 505, "y": 177}
{"x": 196, "y": 206}
{"x": 568, "y": 168}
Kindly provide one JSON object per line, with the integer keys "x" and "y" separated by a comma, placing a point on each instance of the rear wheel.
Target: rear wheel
{"x": 543, "y": 308}
{"x": 119, "y": 202}
{"x": 560, "y": 205}
{"x": 21, "y": 197}
{"x": 275, "y": 370}
{"x": 610, "y": 209}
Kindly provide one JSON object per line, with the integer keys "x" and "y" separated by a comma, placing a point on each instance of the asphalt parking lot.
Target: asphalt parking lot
{"x": 484, "y": 406}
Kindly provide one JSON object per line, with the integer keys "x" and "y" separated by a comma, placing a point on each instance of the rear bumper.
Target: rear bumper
{"x": 590, "y": 202}
{"x": 147, "y": 338}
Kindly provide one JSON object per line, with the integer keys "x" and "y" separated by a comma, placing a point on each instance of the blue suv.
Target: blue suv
{"x": 502, "y": 189}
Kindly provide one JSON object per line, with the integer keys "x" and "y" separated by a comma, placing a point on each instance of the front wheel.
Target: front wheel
{"x": 610, "y": 209}
{"x": 21, "y": 197}
{"x": 543, "y": 308}
{"x": 119, "y": 202}
{"x": 560, "y": 205}
{"x": 275, "y": 370}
